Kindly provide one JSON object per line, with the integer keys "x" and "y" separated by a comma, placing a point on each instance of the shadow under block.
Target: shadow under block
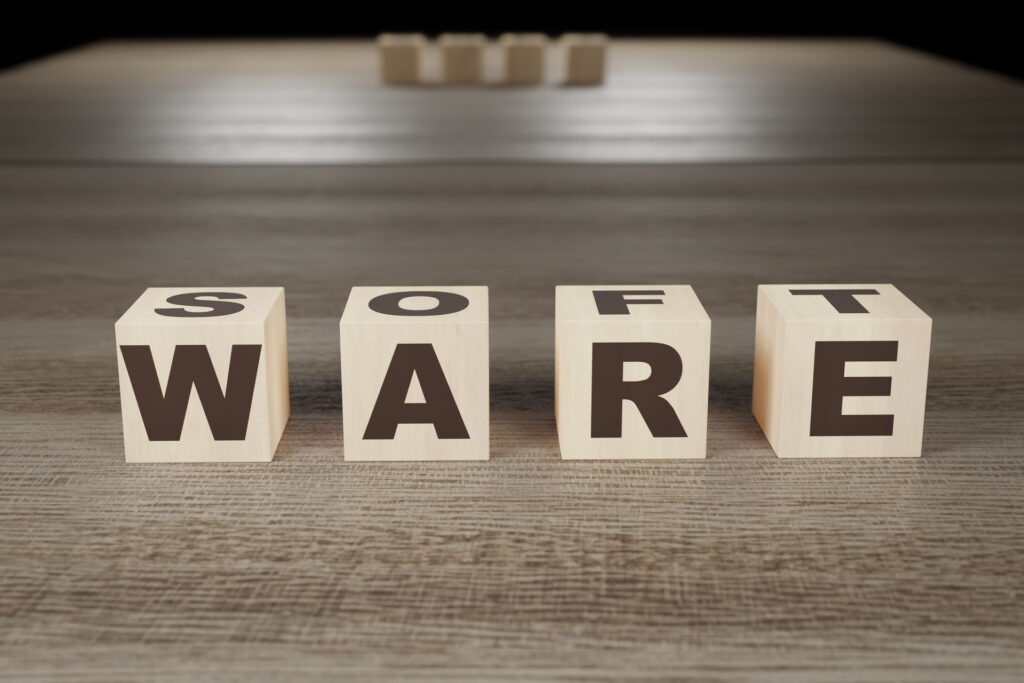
{"x": 631, "y": 372}
{"x": 401, "y": 56}
{"x": 525, "y": 57}
{"x": 415, "y": 373}
{"x": 840, "y": 371}
{"x": 462, "y": 57}
{"x": 203, "y": 373}
{"x": 585, "y": 55}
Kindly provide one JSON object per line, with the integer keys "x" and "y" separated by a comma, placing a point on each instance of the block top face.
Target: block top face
{"x": 403, "y": 39}
{"x": 584, "y": 39}
{"x": 414, "y": 305}
{"x": 213, "y": 305}
{"x": 462, "y": 40}
{"x": 842, "y": 302}
{"x": 532, "y": 39}
{"x": 627, "y": 303}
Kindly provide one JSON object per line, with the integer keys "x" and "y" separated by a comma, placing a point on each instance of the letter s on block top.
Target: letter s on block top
{"x": 220, "y": 306}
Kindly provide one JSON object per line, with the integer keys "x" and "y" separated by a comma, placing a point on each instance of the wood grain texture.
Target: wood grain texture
{"x": 663, "y": 101}
{"x": 739, "y": 567}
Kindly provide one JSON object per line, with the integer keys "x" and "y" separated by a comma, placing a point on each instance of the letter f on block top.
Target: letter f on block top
{"x": 631, "y": 372}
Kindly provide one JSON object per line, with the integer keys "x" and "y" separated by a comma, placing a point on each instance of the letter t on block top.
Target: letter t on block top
{"x": 203, "y": 374}
{"x": 840, "y": 370}
{"x": 631, "y": 372}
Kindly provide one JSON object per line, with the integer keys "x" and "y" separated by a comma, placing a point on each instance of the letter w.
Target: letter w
{"x": 163, "y": 414}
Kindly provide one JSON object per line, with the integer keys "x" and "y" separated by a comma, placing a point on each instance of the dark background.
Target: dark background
{"x": 969, "y": 32}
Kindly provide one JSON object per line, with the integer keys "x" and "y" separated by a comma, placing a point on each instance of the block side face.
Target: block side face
{"x": 688, "y": 398}
{"x": 276, "y": 344}
{"x": 462, "y": 352}
{"x": 196, "y": 442}
{"x": 361, "y": 300}
{"x": 904, "y": 400}
{"x": 769, "y": 340}
{"x": 628, "y": 304}
{"x": 888, "y": 303}
{"x": 212, "y": 306}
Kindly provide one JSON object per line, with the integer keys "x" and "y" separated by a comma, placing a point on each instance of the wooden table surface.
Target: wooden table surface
{"x": 129, "y": 165}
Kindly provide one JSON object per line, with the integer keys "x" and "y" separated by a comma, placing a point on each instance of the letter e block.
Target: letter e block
{"x": 631, "y": 372}
{"x": 203, "y": 374}
{"x": 840, "y": 371}
{"x": 584, "y": 58}
{"x": 414, "y": 373}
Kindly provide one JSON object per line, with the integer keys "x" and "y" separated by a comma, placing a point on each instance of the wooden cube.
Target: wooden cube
{"x": 414, "y": 373}
{"x": 631, "y": 372}
{"x": 584, "y": 58}
{"x": 401, "y": 57}
{"x": 525, "y": 57}
{"x": 462, "y": 57}
{"x": 203, "y": 374}
{"x": 840, "y": 371}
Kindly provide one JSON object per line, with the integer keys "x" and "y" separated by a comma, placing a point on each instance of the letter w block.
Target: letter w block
{"x": 414, "y": 373}
{"x": 203, "y": 374}
{"x": 631, "y": 372}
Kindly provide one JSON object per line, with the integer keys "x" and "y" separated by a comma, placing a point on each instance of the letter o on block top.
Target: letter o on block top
{"x": 840, "y": 371}
{"x": 414, "y": 373}
{"x": 631, "y": 372}
{"x": 203, "y": 374}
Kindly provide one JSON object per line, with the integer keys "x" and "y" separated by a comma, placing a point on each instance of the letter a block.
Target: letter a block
{"x": 631, "y": 372}
{"x": 203, "y": 374}
{"x": 414, "y": 373}
{"x": 840, "y": 371}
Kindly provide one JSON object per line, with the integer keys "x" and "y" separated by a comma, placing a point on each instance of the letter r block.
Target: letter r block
{"x": 840, "y": 371}
{"x": 203, "y": 374}
{"x": 631, "y": 372}
{"x": 414, "y": 373}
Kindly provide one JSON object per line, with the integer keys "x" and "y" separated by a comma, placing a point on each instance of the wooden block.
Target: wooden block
{"x": 631, "y": 372}
{"x": 414, "y": 373}
{"x": 462, "y": 56}
{"x": 840, "y": 371}
{"x": 584, "y": 58}
{"x": 204, "y": 374}
{"x": 525, "y": 57}
{"x": 401, "y": 57}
